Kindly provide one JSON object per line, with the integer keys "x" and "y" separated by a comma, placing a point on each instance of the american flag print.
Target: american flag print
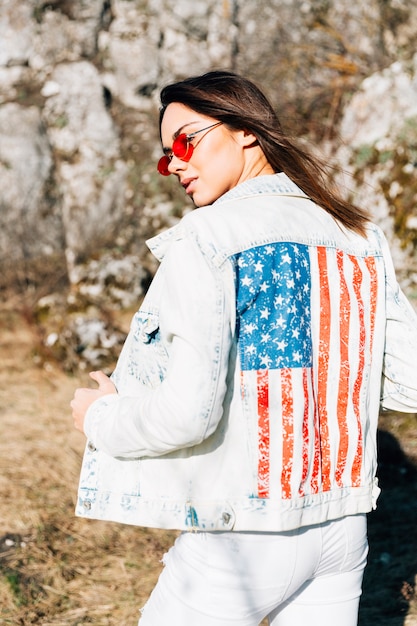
{"x": 305, "y": 317}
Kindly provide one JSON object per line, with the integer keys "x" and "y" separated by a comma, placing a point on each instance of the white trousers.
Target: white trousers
{"x": 312, "y": 576}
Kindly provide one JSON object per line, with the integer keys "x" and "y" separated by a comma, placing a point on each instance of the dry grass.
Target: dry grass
{"x": 58, "y": 570}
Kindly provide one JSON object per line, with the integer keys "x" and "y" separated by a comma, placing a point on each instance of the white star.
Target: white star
{"x": 286, "y": 258}
{"x": 246, "y": 281}
{"x": 258, "y": 266}
{"x": 281, "y": 322}
{"x": 265, "y": 360}
{"x": 265, "y": 313}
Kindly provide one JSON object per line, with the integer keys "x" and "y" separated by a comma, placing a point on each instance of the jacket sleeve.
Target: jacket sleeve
{"x": 399, "y": 381}
{"x": 187, "y": 406}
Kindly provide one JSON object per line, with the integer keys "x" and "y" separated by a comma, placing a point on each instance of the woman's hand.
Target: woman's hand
{"x": 84, "y": 397}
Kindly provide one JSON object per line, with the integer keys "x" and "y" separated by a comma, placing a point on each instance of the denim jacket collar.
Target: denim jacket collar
{"x": 270, "y": 183}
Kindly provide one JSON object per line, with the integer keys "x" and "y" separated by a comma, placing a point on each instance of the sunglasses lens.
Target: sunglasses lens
{"x": 182, "y": 148}
{"x": 162, "y": 166}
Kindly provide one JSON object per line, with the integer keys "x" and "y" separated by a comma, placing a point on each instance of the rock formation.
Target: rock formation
{"x": 79, "y": 83}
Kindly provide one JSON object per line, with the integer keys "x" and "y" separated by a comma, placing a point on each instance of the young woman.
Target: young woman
{"x": 244, "y": 404}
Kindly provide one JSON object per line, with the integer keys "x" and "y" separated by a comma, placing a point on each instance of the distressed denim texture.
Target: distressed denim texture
{"x": 183, "y": 444}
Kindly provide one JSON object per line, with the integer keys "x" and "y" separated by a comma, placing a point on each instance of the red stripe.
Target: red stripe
{"x": 306, "y": 436}
{"x": 343, "y": 392}
{"x": 263, "y": 433}
{"x": 287, "y": 432}
{"x": 357, "y": 462}
{"x": 323, "y": 366}
{"x": 370, "y": 264}
{"x": 315, "y": 476}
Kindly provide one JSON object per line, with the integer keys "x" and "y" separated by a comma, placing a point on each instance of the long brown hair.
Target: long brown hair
{"x": 239, "y": 104}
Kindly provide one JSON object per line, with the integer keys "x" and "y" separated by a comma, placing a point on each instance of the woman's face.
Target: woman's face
{"x": 221, "y": 159}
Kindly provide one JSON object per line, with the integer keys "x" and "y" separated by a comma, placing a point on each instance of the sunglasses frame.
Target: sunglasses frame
{"x": 182, "y": 148}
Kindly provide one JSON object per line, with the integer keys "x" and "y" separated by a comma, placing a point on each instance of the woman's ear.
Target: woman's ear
{"x": 246, "y": 138}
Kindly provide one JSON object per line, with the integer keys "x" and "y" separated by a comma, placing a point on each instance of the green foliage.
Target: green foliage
{"x": 395, "y": 167}
{"x": 14, "y": 583}
{"x": 364, "y": 156}
{"x": 61, "y": 121}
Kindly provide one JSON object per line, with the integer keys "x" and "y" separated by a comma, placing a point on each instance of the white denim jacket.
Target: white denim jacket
{"x": 249, "y": 385}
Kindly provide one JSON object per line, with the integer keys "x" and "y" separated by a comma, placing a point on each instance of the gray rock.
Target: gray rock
{"x": 79, "y": 84}
{"x": 90, "y": 171}
{"x": 31, "y": 230}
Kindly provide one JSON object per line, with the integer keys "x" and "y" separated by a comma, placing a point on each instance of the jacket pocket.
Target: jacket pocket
{"x": 148, "y": 357}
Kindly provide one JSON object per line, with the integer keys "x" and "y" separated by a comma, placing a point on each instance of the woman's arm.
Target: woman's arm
{"x": 195, "y": 324}
{"x": 399, "y": 383}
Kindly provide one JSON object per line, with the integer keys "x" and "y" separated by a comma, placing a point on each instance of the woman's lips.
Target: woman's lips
{"x": 187, "y": 183}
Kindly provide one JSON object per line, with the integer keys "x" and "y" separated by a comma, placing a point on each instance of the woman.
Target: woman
{"x": 245, "y": 401}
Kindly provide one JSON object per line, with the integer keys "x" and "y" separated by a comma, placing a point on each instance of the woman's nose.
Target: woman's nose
{"x": 176, "y": 165}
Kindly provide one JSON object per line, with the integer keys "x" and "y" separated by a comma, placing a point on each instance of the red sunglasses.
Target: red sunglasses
{"x": 182, "y": 148}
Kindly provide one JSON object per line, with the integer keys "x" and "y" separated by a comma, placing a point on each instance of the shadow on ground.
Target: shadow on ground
{"x": 388, "y": 589}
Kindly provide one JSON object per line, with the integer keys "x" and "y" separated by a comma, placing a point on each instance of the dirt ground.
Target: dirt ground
{"x": 56, "y": 569}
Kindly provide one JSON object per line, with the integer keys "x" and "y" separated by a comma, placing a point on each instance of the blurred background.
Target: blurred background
{"x": 79, "y": 196}
{"x": 79, "y": 85}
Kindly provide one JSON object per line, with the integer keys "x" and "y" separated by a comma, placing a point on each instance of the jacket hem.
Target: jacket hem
{"x": 253, "y": 514}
